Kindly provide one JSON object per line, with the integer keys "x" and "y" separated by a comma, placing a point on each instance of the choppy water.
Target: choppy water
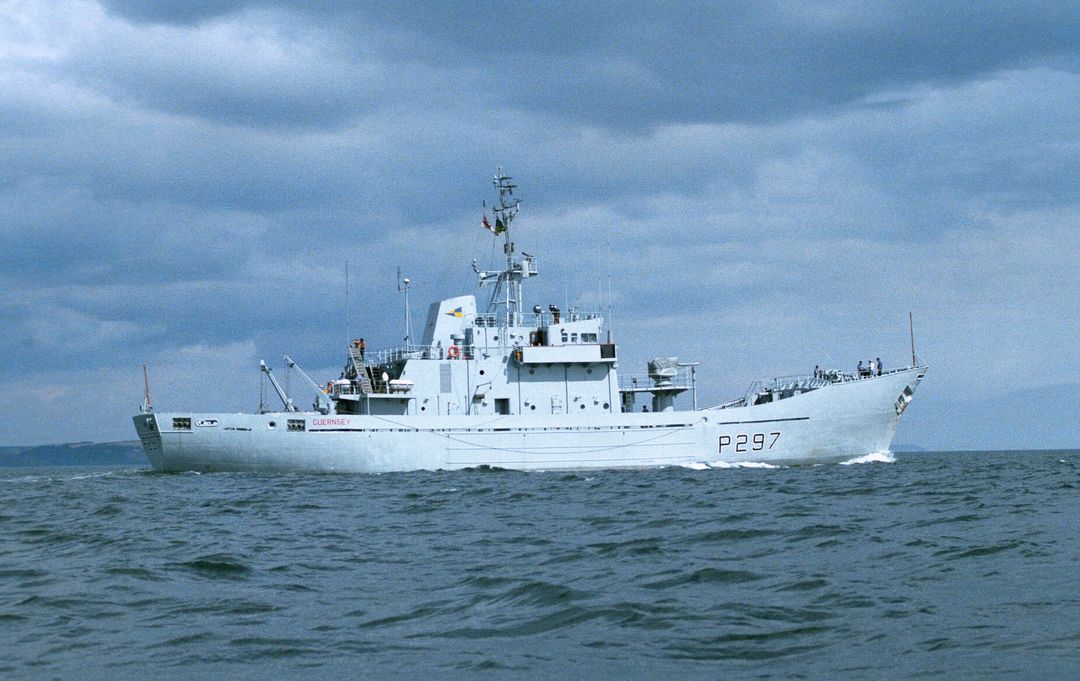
{"x": 955, "y": 566}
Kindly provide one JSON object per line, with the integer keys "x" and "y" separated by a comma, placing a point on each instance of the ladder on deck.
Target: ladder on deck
{"x": 362, "y": 375}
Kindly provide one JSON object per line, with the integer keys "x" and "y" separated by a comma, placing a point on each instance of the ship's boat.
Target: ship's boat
{"x": 530, "y": 389}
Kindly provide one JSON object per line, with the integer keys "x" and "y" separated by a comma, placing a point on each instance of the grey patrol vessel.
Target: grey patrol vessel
{"x": 529, "y": 389}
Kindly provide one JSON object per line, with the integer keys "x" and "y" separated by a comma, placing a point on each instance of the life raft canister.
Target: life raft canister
{"x": 454, "y": 352}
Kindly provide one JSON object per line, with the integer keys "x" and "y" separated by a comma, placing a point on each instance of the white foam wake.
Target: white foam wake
{"x": 876, "y": 457}
{"x": 741, "y": 464}
{"x": 698, "y": 466}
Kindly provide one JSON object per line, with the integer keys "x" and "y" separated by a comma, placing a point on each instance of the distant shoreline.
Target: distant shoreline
{"x": 74, "y": 454}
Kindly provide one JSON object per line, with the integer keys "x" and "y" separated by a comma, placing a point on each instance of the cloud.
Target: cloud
{"x": 69, "y": 404}
{"x": 641, "y": 65}
{"x": 763, "y": 188}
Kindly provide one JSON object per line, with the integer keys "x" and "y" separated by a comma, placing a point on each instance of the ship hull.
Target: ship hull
{"x": 834, "y": 423}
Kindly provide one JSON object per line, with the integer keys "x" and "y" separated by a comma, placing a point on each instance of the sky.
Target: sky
{"x": 758, "y": 186}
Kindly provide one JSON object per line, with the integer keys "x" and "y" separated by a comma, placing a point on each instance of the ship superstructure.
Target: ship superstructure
{"x": 531, "y": 388}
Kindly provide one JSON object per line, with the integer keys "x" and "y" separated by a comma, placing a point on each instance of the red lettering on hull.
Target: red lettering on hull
{"x": 329, "y": 422}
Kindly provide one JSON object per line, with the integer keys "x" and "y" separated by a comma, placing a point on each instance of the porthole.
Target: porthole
{"x": 532, "y": 371}
{"x": 583, "y": 406}
{"x": 606, "y": 405}
{"x": 495, "y": 338}
{"x": 533, "y": 407}
{"x": 272, "y": 424}
{"x": 481, "y": 372}
{"x": 423, "y": 408}
{"x": 588, "y": 371}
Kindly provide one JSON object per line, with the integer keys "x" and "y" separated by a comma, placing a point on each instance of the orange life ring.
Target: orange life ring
{"x": 454, "y": 352}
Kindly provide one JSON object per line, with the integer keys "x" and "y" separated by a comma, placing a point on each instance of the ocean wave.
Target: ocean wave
{"x": 875, "y": 457}
{"x": 668, "y": 572}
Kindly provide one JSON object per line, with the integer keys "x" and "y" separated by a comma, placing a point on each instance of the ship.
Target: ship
{"x": 506, "y": 386}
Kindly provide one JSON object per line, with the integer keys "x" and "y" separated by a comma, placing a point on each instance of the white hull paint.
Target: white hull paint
{"x": 834, "y": 423}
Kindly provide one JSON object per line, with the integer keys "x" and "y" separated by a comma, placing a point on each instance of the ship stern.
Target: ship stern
{"x": 147, "y": 427}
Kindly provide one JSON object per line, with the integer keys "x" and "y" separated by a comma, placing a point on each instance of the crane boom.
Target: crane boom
{"x": 322, "y": 402}
{"x": 289, "y": 406}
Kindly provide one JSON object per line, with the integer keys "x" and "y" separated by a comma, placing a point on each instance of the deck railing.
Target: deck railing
{"x": 403, "y": 352}
{"x": 532, "y": 319}
{"x": 806, "y": 382}
{"x": 683, "y": 380}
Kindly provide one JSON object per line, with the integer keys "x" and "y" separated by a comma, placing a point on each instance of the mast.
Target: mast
{"x": 146, "y": 406}
{"x": 403, "y": 285}
{"x": 505, "y": 212}
{"x": 346, "y": 301}
{"x": 911, "y": 327}
{"x": 507, "y": 292}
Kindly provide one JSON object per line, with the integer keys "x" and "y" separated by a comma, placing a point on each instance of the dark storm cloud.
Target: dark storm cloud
{"x": 638, "y": 65}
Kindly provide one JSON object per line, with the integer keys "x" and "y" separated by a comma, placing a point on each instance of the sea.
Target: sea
{"x": 926, "y": 565}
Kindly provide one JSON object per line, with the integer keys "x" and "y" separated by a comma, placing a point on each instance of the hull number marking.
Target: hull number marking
{"x": 749, "y": 443}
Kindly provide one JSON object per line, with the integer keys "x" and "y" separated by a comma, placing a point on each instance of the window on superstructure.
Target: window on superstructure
{"x": 565, "y": 337}
{"x": 573, "y": 338}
